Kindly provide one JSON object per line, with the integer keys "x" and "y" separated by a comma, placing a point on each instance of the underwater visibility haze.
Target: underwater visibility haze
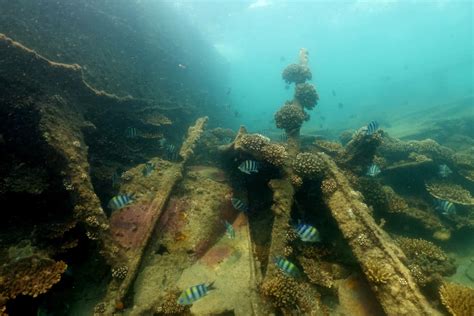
{"x": 260, "y": 157}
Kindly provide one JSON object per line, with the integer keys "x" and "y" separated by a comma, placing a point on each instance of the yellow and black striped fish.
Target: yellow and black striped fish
{"x": 119, "y": 201}
{"x": 286, "y": 266}
{"x": 192, "y": 294}
{"x": 307, "y": 233}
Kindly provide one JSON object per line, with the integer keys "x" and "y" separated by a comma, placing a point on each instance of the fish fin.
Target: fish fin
{"x": 211, "y": 286}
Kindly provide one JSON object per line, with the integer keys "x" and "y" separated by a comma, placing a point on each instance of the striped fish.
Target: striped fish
{"x": 171, "y": 153}
{"x": 445, "y": 207}
{"x": 373, "y": 171}
{"x": 119, "y": 201}
{"x": 307, "y": 233}
{"x": 131, "y": 132}
{"x": 192, "y": 294}
{"x": 444, "y": 171}
{"x": 148, "y": 169}
{"x": 371, "y": 128}
{"x": 239, "y": 205}
{"x": 249, "y": 166}
{"x": 287, "y": 267}
{"x": 229, "y": 229}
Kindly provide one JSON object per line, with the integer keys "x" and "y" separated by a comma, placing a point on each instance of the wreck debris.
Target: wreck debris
{"x": 150, "y": 208}
{"x": 397, "y": 292}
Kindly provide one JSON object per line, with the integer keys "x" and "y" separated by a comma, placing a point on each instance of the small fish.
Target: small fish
{"x": 182, "y": 66}
{"x": 249, "y": 166}
{"x": 340, "y": 105}
{"x": 286, "y": 266}
{"x": 239, "y": 205}
{"x": 131, "y": 132}
{"x": 333, "y": 93}
{"x": 444, "y": 171}
{"x": 371, "y": 128}
{"x": 229, "y": 229}
{"x": 236, "y": 114}
{"x": 445, "y": 207}
{"x": 120, "y": 201}
{"x": 283, "y": 137}
{"x": 148, "y": 169}
{"x": 227, "y": 140}
{"x": 162, "y": 142}
{"x": 171, "y": 152}
{"x": 192, "y": 294}
{"x": 373, "y": 171}
{"x": 116, "y": 178}
{"x": 307, "y": 233}
{"x": 229, "y": 90}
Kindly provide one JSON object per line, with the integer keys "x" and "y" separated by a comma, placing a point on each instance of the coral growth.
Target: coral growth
{"x": 169, "y": 304}
{"x": 377, "y": 273}
{"x": 426, "y": 260}
{"x": 328, "y": 186}
{"x": 452, "y": 192}
{"x": 319, "y": 273}
{"x": 30, "y": 276}
{"x": 308, "y": 165}
{"x": 254, "y": 142}
{"x": 290, "y": 117}
{"x": 275, "y": 154}
{"x": 281, "y": 290}
{"x": 457, "y": 299}
{"x": 296, "y": 73}
{"x": 306, "y": 95}
{"x": 120, "y": 272}
{"x": 296, "y": 181}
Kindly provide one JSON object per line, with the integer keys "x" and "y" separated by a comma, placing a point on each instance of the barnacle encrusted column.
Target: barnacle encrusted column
{"x": 381, "y": 260}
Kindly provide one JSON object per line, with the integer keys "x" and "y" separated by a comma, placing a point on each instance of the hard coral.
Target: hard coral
{"x": 290, "y": 117}
{"x": 30, "y": 276}
{"x": 254, "y": 142}
{"x": 275, "y": 154}
{"x": 458, "y": 299}
{"x": 308, "y": 165}
{"x": 426, "y": 260}
{"x": 328, "y": 186}
{"x": 377, "y": 274}
{"x": 296, "y": 181}
{"x": 120, "y": 272}
{"x": 318, "y": 273}
{"x": 306, "y": 95}
{"x": 296, "y": 73}
{"x": 169, "y": 304}
{"x": 445, "y": 190}
{"x": 281, "y": 290}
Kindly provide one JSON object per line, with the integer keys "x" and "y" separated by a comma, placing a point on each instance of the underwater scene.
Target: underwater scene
{"x": 237, "y": 157}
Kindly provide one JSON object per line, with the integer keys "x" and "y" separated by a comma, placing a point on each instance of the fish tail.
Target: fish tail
{"x": 211, "y": 286}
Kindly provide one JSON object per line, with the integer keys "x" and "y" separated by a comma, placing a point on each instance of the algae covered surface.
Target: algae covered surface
{"x": 240, "y": 158}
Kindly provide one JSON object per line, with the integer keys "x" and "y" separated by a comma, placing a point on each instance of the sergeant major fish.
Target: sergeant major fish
{"x": 249, "y": 166}
{"x": 148, "y": 169}
{"x": 445, "y": 207}
{"x": 307, "y": 233}
{"x": 120, "y": 201}
{"x": 373, "y": 171}
{"x": 286, "y": 266}
{"x": 239, "y": 205}
{"x": 131, "y": 132}
{"x": 194, "y": 293}
{"x": 444, "y": 171}
{"x": 230, "y": 231}
{"x": 371, "y": 128}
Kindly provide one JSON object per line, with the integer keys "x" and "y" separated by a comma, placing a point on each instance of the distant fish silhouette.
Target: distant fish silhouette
{"x": 236, "y": 114}
{"x": 371, "y": 128}
{"x": 182, "y": 66}
{"x": 333, "y": 93}
{"x": 340, "y": 105}
{"x": 373, "y": 171}
{"x": 229, "y": 90}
